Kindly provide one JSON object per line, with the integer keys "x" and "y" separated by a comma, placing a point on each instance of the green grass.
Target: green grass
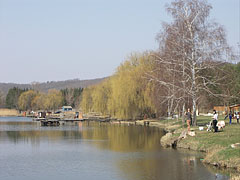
{"x": 217, "y": 145}
{"x": 228, "y": 153}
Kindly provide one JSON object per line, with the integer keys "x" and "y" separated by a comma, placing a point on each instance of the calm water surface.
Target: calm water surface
{"x": 92, "y": 151}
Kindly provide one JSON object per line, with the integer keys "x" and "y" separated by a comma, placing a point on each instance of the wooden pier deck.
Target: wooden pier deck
{"x": 57, "y": 121}
{"x": 50, "y": 122}
{"x": 75, "y": 121}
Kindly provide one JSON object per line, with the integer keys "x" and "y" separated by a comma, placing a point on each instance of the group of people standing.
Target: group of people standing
{"x": 230, "y": 115}
{"x": 214, "y": 121}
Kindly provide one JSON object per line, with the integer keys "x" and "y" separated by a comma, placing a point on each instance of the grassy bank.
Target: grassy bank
{"x": 8, "y": 112}
{"x": 216, "y": 145}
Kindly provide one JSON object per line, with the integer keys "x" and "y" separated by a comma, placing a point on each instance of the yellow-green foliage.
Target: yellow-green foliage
{"x": 100, "y": 96}
{"x": 87, "y": 102}
{"x": 39, "y": 102}
{"x": 53, "y": 99}
{"x": 25, "y": 100}
{"x": 32, "y": 100}
{"x": 125, "y": 95}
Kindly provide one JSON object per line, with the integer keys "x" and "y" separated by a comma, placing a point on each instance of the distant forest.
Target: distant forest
{"x": 29, "y": 99}
{"x": 42, "y": 87}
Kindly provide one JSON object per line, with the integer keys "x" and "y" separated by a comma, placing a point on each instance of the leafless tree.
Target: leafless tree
{"x": 189, "y": 46}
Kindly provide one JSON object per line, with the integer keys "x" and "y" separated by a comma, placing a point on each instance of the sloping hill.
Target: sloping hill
{"x": 74, "y": 83}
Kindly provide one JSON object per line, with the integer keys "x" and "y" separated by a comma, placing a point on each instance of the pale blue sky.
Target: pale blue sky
{"x": 45, "y": 40}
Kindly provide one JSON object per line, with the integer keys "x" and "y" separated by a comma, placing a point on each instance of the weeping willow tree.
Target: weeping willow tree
{"x": 34, "y": 100}
{"x": 87, "y": 103}
{"x": 100, "y": 96}
{"x": 54, "y": 99}
{"x": 25, "y": 100}
{"x": 125, "y": 95}
{"x": 128, "y": 98}
{"x": 39, "y": 102}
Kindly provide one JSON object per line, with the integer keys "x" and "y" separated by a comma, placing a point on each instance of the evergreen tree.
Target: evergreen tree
{"x": 12, "y": 97}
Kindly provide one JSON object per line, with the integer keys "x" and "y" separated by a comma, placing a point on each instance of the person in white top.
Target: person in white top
{"x": 215, "y": 115}
{"x": 237, "y": 116}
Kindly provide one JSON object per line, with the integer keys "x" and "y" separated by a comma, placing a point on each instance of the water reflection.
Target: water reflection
{"x": 119, "y": 137}
{"x": 92, "y": 151}
{"x": 123, "y": 138}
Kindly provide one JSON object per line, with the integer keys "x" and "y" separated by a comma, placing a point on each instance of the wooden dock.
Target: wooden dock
{"x": 57, "y": 121}
{"x": 38, "y": 119}
{"x": 50, "y": 122}
{"x": 75, "y": 121}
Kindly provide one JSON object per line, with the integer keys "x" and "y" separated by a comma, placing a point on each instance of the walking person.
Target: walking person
{"x": 215, "y": 120}
{"x": 189, "y": 118}
{"x": 230, "y": 118}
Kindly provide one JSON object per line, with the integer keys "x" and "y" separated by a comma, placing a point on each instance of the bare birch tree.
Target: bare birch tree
{"x": 190, "y": 45}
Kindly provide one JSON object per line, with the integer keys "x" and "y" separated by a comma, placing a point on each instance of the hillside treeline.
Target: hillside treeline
{"x": 28, "y": 99}
{"x": 43, "y": 87}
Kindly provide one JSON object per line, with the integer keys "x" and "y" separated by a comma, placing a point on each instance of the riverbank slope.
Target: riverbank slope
{"x": 221, "y": 148}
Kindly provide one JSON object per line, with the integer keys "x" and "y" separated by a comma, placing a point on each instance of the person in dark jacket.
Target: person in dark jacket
{"x": 230, "y": 116}
{"x": 189, "y": 118}
{"x": 215, "y": 120}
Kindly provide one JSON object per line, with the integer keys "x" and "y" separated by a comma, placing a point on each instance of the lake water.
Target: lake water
{"x": 92, "y": 152}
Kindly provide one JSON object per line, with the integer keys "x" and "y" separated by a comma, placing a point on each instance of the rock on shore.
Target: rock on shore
{"x": 170, "y": 140}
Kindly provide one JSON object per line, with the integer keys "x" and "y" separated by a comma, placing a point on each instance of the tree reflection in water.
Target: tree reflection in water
{"x": 131, "y": 152}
